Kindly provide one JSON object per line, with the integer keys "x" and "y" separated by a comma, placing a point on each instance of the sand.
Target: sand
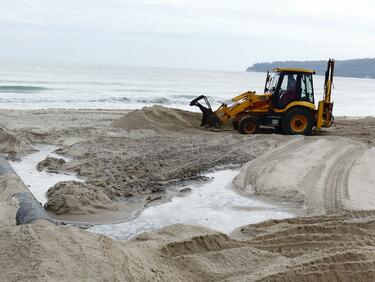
{"x": 128, "y": 157}
{"x": 324, "y": 175}
{"x": 9, "y": 185}
{"x": 51, "y": 164}
{"x": 12, "y": 145}
{"x": 139, "y": 154}
{"x": 325, "y": 248}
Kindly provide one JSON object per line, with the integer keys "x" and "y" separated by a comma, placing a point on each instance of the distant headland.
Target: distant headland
{"x": 359, "y": 68}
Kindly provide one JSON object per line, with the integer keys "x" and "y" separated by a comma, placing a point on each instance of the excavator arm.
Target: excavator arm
{"x": 225, "y": 112}
{"x": 324, "y": 114}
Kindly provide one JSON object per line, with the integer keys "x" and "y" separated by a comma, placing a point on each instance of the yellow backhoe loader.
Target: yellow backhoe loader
{"x": 287, "y": 104}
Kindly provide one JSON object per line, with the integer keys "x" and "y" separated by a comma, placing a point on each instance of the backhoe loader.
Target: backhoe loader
{"x": 287, "y": 104}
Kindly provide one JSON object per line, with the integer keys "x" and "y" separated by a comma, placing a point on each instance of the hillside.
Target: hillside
{"x": 359, "y": 68}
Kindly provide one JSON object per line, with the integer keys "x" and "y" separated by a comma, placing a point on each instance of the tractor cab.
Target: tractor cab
{"x": 288, "y": 85}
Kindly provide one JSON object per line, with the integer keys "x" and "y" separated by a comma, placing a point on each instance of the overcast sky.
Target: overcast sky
{"x": 204, "y": 34}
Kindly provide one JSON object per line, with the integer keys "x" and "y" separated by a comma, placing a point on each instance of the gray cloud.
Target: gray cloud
{"x": 196, "y": 34}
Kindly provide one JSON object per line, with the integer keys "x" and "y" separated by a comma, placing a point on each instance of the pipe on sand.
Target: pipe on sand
{"x": 30, "y": 209}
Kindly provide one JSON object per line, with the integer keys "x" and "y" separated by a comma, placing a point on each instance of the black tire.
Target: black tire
{"x": 235, "y": 124}
{"x": 297, "y": 121}
{"x": 248, "y": 125}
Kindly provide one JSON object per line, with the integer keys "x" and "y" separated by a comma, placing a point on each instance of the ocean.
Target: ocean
{"x": 84, "y": 86}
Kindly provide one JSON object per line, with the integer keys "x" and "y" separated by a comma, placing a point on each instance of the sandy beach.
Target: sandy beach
{"x": 129, "y": 159}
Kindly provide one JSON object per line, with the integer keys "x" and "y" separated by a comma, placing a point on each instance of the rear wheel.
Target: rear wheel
{"x": 248, "y": 125}
{"x": 297, "y": 121}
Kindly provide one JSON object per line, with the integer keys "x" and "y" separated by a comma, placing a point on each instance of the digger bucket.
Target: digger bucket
{"x": 209, "y": 118}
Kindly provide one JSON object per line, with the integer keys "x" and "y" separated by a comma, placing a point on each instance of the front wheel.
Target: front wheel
{"x": 248, "y": 125}
{"x": 297, "y": 121}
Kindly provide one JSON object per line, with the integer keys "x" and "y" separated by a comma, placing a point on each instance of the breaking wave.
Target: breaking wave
{"x": 182, "y": 100}
{"x": 169, "y": 100}
{"x": 21, "y": 88}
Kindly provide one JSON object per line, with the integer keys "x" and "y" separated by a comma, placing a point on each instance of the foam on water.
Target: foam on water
{"x": 214, "y": 205}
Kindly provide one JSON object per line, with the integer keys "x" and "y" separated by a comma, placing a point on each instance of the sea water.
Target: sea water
{"x": 74, "y": 86}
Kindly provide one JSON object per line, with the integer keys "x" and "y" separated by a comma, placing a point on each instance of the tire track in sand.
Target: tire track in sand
{"x": 336, "y": 181}
{"x": 311, "y": 171}
{"x": 264, "y": 164}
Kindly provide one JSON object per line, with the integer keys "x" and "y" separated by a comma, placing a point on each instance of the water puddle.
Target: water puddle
{"x": 214, "y": 205}
{"x": 39, "y": 182}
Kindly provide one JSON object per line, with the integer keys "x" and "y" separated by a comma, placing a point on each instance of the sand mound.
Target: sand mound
{"x": 330, "y": 248}
{"x": 11, "y": 144}
{"x": 50, "y": 164}
{"x": 43, "y": 252}
{"x": 77, "y": 198}
{"x": 315, "y": 172}
{"x": 158, "y": 118}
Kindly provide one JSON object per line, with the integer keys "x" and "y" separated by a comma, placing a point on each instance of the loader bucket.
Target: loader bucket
{"x": 209, "y": 118}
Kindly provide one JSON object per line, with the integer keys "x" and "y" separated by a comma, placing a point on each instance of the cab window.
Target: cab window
{"x": 307, "y": 92}
{"x": 287, "y": 92}
{"x": 272, "y": 83}
{"x": 289, "y": 84}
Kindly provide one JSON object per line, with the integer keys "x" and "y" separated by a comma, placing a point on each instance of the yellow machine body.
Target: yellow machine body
{"x": 249, "y": 110}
